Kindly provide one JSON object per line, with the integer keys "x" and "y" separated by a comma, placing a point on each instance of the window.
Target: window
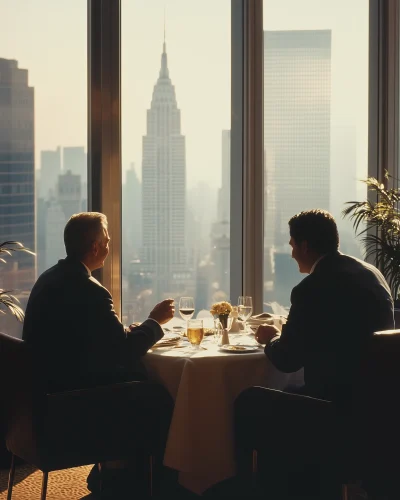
{"x": 43, "y": 109}
{"x": 175, "y": 153}
{"x": 315, "y": 124}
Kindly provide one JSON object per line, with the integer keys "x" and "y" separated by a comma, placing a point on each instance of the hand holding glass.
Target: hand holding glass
{"x": 245, "y": 309}
{"x": 195, "y": 332}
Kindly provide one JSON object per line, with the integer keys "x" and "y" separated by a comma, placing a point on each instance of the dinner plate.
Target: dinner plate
{"x": 239, "y": 348}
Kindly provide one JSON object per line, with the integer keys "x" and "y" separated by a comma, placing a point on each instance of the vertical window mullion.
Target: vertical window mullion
{"x": 247, "y": 164}
{"x": 104, "y": 130}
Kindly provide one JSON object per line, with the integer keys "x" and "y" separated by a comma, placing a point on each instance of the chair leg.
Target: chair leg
{"x": 151, "y": 463}
{"x": 255, "y": 462}
{"x": 11, "y": 477}
{"x": 99, "y": 465}
{"x": 44, "y": 485}
{"x": 254, "y": 469}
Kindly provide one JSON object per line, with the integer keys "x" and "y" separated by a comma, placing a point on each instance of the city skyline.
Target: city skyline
{"x": 61, "y": 99}
{"x": 201, "y": 69}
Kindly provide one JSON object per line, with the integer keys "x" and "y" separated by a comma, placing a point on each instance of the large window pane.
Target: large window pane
{"x": 315, "y": 123}
{"x": 175, "y": 152}
{"x": 43, "y": 108}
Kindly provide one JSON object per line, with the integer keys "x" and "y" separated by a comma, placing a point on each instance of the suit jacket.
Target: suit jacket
{"x": 75, "y": 335}
{"x": 334, "y": 311}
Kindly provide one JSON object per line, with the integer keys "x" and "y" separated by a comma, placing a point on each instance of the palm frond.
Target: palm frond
{"x": 10, "y": 303}
{"x": 377, "y": 224}
{"x": 10, "y": 246}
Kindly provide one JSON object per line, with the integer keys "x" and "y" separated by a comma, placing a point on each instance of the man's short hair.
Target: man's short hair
{"x": 81, "y": 231}
{"x": 318, "y": 228}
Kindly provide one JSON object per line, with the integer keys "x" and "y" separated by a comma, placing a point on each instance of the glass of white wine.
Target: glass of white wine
{"x": 186, "y": 308}
{"x": 245, "y": 309}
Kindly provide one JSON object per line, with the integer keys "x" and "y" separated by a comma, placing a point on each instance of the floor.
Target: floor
{"x": 69, "y": 484}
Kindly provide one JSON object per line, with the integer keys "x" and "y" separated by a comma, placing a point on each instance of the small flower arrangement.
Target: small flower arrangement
{"x": 220, "y": 308}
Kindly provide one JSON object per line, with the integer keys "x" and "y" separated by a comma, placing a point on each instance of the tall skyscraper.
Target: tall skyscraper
{"x": 50, "y": 169}
{"x": 297, "y": 115}
{"x": 164, "y": 189}
{"x": 17, "y": 173}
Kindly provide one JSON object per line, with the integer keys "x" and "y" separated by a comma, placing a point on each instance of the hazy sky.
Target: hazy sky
{"x": 48, "y": 37}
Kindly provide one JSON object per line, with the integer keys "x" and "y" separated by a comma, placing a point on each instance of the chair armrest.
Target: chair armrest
{"x": 270, "y": 419}
{"x": 113, "y": 399}
{"x": 134, "y": 413}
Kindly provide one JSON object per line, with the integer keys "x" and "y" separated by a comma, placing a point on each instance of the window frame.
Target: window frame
{"x": 247, "y": 157}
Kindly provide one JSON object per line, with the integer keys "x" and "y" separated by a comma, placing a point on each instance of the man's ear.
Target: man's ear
{"x": 95, "y": 248}
{"x": 304, "y": 247}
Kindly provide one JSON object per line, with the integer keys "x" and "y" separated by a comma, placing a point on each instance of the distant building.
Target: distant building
{"x": 297, "y": 133}
{"x": 75, "y": 160}
{"x": 69, "y": 195}
{"x": 132, "y": 214}
{"x": 220, "y": 232}
{"x": 55, "y": 223}
{"x": 17, "y": 173}
{"x": 224, "y": 194}
{"x": 297, "y": 143}
{"x": 164, "y": 251}
{"x": 50, "y": 169}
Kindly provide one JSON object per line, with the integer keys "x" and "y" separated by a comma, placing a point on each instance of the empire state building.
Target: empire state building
{"x": 164, "y": 252}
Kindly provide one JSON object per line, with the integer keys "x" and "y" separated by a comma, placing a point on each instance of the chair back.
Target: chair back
{"x": 376, "y": 404}
{"x": 21, "y": 395}
{"x": 15, "y": 371}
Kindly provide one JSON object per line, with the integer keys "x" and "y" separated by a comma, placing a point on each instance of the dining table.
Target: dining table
{"x": 204, "y": 384}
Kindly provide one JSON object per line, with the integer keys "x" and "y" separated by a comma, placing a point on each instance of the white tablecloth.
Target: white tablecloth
{"x": 204, "y": 385}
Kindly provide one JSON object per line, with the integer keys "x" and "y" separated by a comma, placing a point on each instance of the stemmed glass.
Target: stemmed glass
{"x": 186, "y": 308}
{"x": 245, "y": 309}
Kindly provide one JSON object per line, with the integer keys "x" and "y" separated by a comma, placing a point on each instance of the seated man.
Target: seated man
{"x": 75, "y": 335}
{"x": 334, "y": 310}
{"x": 70, "y": 323}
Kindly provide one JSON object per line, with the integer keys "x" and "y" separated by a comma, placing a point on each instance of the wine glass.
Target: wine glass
{"x": 186, "y": 307}
{"x": 195, "y": 332}
{"x": 245, "y": 309}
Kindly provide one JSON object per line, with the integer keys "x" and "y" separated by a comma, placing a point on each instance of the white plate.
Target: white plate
{"x": 239, "y": 348}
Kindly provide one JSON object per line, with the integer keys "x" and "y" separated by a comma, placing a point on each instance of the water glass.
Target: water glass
{"x": 245, "y": 309}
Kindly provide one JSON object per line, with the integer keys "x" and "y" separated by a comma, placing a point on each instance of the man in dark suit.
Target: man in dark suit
{"x": 71, "y": 326}
{"x": 70, "y": 321}
{"x": 334, "y": 310}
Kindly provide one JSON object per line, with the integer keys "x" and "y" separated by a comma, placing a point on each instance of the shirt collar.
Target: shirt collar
{"x": 315, "y": 264}
{"x": 87, "y": 269}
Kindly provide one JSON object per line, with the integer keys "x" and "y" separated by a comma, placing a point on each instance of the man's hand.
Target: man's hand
{"x": 265, "y": 333}
{"x": 163, "y": 311}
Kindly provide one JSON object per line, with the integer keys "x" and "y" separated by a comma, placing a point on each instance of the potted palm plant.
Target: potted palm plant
{"x": 377, "y": 221}
{"x": 9, "y": 302}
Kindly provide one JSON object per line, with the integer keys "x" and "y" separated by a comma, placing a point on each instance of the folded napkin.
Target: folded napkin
{"x": 266, "y": 318}
{"x": 169, "y": 340}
